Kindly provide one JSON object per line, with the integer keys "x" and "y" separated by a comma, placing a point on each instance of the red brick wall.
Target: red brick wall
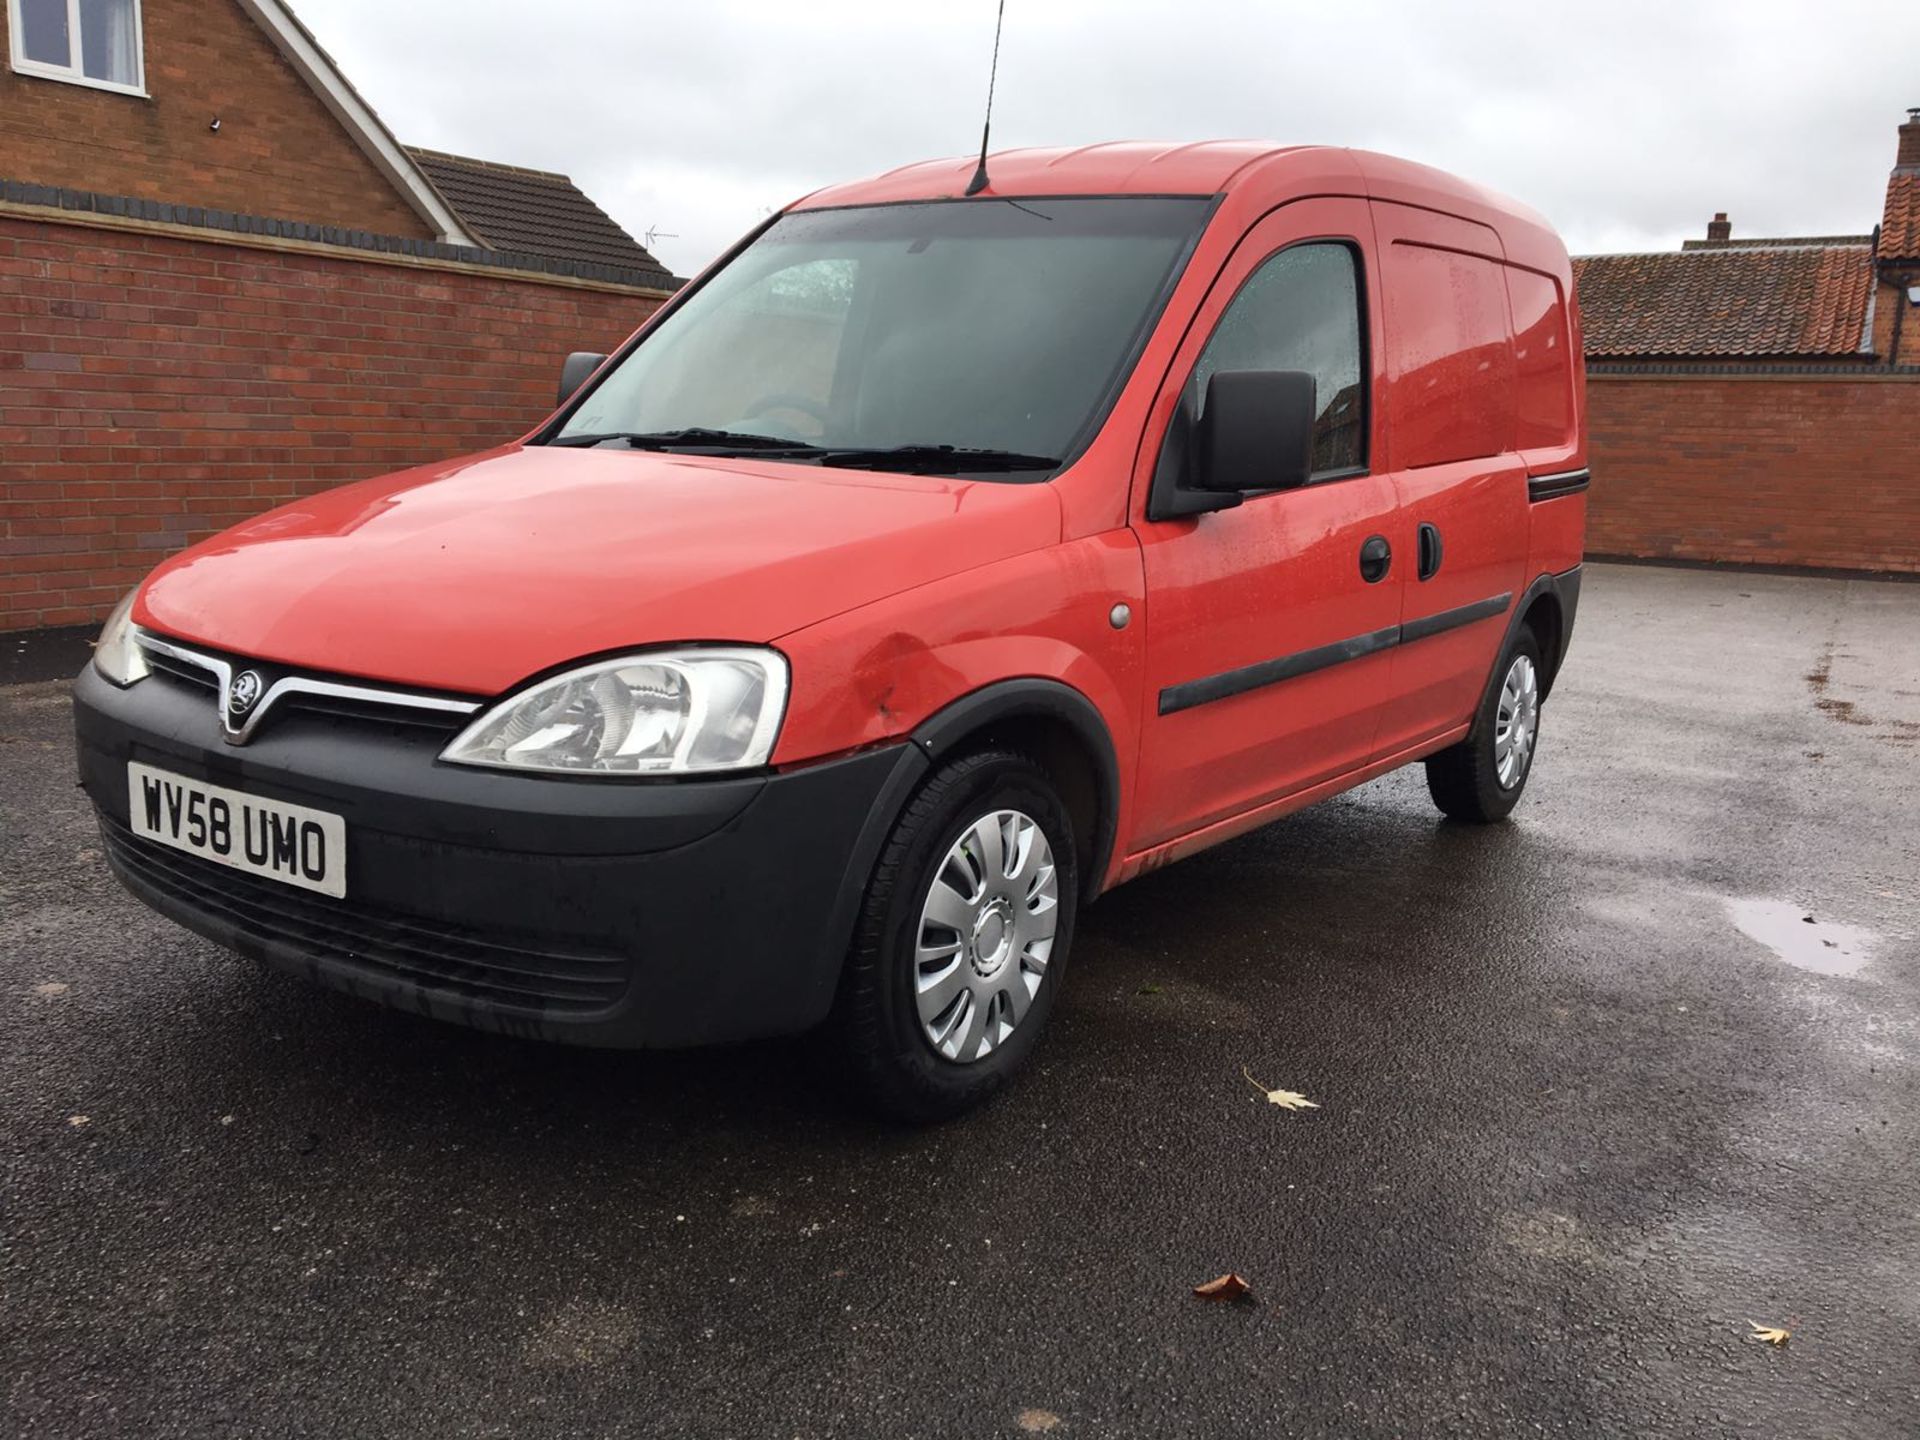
{"x": 1789, "y": 470}
{"x": 278, "y": 151}
{"x": 155, "y": 388}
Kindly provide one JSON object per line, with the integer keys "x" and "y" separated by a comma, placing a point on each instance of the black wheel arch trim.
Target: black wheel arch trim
{"x": 1031, "y": 698}
{"x": 939, "y": 736}
{"x": 1564, "y": 587}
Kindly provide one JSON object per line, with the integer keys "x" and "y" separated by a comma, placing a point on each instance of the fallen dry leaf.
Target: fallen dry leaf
{"x": 1228, "y": 1287}
{"x": 1769, "y": 1334}
{"x": 1037, "y": 1422}
{"x": 78, "y": 1120}
{"x": 1285, "y": 1099}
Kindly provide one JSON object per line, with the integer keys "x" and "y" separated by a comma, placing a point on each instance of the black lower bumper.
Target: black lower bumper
{"x": 658, "y": 913}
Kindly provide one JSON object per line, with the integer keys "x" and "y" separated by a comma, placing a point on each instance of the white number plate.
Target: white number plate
{"x": 289, "y": 843}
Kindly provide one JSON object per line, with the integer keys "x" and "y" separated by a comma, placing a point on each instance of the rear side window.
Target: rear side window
{"x": 1543, "y": 389}
{"x": 1300, "y": 311}
{"x": 1453, "y": 386}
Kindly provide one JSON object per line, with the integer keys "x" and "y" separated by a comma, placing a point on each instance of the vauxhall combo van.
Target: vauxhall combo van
{"x": 941, "y": 558}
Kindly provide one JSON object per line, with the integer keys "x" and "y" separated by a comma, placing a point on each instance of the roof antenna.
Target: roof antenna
{"x": 979, "y": 181}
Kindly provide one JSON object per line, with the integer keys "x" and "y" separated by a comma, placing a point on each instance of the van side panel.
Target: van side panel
{"x": 1527, "y": 243}
{"x": 1451, "y": 394}
{"x": 1543, "y": 383}
{"x": 1559, "y": 528}
{"x": 1451, "y": 421}
{"x": 1549, "y": 432}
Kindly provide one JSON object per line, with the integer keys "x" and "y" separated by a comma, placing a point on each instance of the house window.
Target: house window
{"x": 86, "y": 42}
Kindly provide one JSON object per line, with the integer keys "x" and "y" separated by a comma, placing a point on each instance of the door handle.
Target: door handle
{"x": 1376, "y": 558}
{"x": 1430, "y": 550}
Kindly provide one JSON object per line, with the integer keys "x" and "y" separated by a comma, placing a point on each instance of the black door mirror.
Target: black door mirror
{"x": 574, "y": 371}
{"x": 1256, "y": 432}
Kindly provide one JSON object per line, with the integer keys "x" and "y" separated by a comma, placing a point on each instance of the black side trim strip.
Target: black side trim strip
{"x": 1207, "y": 689}
{"x": 1552, "y": 487}
{"x": 1427, "y": 625}
{"x": 1271, "y": 672}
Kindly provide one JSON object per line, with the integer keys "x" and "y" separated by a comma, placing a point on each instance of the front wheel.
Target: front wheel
{"x": 962, "y": 939}
{"x": 1480, "y": 779}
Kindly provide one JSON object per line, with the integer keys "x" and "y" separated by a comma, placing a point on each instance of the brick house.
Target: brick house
{"x": 224, "y": 283}
{"x": 1758, "y": 400}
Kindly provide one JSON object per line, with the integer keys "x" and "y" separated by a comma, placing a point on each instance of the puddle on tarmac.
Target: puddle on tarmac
{"x": 1813, "y": 944}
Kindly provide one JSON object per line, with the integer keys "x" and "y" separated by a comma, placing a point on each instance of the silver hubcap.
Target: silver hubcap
{"x": 986, "y": 931}
{"x": 1518, "y": 723}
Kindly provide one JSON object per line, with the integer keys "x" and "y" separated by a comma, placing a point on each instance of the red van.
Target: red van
{"x": 932, "y": 564}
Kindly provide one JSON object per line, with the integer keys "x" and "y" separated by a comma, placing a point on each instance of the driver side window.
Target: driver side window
{"x": 1300, "y": 311}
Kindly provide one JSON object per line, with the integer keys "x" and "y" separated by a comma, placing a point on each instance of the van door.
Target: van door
{"x": 1270, "y": 625}
{"x": 1450, "y": 421}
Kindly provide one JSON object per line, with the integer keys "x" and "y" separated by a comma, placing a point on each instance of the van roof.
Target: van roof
{"x": 1210, "y": 167}
{"x": 1120, "y": 167}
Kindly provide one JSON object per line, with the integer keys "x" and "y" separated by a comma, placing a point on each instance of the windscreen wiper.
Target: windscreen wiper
{"x": 934, "y": 459}
{"x": 909, "y": 459}
{"x": 694, "y": 437}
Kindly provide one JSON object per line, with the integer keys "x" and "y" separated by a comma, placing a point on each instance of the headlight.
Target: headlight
{"x": 117, "y": 654}
{"x": 671, "y": 712}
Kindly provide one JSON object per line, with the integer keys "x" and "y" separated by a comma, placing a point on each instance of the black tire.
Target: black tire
{"x": 1464, "y": 779}
{"x": 889, "y": 1058}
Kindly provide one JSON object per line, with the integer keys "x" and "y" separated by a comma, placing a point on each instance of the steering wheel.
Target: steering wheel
{"x": 806, "y": 405}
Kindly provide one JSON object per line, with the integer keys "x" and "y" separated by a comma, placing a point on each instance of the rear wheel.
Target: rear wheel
{"x": 1480, "y": 779}
{"x": 962, "y": 939}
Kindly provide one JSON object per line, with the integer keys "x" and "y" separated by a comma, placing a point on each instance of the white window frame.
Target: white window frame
{"x": 72, "y": 74}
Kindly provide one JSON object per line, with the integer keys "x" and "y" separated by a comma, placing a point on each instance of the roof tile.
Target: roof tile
{"x": 1900, "y": 227}
{"x": 1796, "y": 301}
{"x": 532, "y": 212}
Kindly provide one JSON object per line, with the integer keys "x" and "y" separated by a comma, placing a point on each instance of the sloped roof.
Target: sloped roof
{"x": 309, "y": 61}
{"x": 1900, "y": 227}
{"x": 1792, "y": 300}
{"x": 532, "y": 212}
{"x": 1779, "y": 242}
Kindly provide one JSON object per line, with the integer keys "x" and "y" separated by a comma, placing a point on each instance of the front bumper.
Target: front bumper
{"x": 650, "y": 913}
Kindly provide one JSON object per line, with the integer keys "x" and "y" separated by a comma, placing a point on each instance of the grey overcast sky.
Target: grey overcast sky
{"x": 1626, "y": 122}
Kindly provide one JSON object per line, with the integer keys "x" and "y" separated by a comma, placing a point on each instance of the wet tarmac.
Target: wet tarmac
{"x": 1598, "y": 1090}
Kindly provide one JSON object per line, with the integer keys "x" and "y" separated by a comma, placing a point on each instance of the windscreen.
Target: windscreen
{"x": 987, "y": 326}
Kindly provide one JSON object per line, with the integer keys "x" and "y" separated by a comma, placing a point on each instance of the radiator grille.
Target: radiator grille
{"x": 201, "y": 672}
